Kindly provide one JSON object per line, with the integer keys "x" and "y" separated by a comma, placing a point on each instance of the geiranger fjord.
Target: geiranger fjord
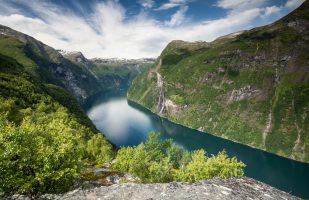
{"x": 127, "y": 124}
{"x": 154, "y": 99}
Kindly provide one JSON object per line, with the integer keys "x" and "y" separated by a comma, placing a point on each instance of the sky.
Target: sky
{"x": 135, "y": 28}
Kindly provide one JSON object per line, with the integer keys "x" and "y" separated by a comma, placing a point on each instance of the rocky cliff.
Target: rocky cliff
{"x": 110, "y": 73}
{"x": 82, "y": 77}
{"x": 47, "y": 64}
{"x": 215, "y": 189}
{"x": 251, "y": 87}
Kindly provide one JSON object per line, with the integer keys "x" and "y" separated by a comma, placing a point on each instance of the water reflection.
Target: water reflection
{"x": 122, "y": 124}
{"x": 127, "y": 124}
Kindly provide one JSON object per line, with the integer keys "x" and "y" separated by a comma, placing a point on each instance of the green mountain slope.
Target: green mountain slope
{"x": 49, "y": 145}
{"x": 45, "y": 137}
{"x": 111, "y": 74}
{"x": 250, "y": 87}
{"x": 47, "y": 64}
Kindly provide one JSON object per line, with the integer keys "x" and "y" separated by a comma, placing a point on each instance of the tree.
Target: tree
{"x": 164, "y": 161}
{"x": 99, "y": 150}
{"x": 37, "y": 158}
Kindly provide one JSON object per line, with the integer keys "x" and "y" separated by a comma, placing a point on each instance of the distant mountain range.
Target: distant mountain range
{"x": 70, "y": 70}
{"x": 78, "y": 57}
{"x": 124, "y": 60}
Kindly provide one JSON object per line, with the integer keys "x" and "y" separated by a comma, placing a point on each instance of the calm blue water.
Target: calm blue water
{"x": 126, "y": 124}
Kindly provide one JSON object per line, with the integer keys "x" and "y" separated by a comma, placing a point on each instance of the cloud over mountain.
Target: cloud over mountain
{"x": 109, "y": 31}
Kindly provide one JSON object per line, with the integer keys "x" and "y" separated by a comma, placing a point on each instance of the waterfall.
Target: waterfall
{"x": 160, "y": 88}
{"x": 161, "y": 100}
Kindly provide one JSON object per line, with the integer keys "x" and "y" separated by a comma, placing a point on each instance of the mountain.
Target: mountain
{"x": 251, "y": 87}
{"x": 46, "y": 138}
{"x": 111, "y": 73}
{"x": 47, "y": 64}
{"x": 139, "y": 61}
{"x": 71, "y": 70}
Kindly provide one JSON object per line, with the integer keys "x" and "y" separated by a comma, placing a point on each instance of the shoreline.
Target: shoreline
{"x": 163, "y": 117}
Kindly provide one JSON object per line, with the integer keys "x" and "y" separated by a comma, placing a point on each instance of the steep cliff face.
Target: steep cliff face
{"x": 110, "y": 73}
{"x": 251, "y": 87}
{"x": 47, "y": 64}
{"x": 82, "y": 77}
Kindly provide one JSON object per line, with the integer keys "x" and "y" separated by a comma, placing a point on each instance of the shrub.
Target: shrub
{"x": 45, "y": 137}
{"x": 164, "y": 161}
{"x": 37, "y": 158}
{"x": 201, "y": 167}
{"x": 99, "y": 150}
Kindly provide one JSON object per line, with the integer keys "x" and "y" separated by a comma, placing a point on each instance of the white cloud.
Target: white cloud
{"x": 172, "y": 4}
{"x": 232, "y": 23}
{"x": 271, "y": 10}
{"x": 292, "y": 4}
{"x": 108, "y": 32}
{"x": 178, "y": 17}
{"x": 240, "y": 4}
{"x": 147, "y": 3}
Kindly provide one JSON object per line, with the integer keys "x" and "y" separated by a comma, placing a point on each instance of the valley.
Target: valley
{"x": 213, "y": 118}
{"x": 242, "y": 87}
{"x": 126, "y": 123}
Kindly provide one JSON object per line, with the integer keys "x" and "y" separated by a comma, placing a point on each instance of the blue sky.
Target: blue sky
{"x": 135, "y": 28}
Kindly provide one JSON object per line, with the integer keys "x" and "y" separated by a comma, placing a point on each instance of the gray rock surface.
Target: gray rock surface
{"x": 229, "y": 189}
{"x": 244, "y": 93}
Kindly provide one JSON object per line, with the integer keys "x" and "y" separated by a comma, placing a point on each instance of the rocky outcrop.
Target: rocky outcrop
{"x": 215, "y": 189}
{"x": 243, "y": 93}
{"x": 171, "y": 107}
{"x": 76, "y": 57}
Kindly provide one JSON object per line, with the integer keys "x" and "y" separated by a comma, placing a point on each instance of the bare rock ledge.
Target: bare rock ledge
{"x": 223, "y": 189}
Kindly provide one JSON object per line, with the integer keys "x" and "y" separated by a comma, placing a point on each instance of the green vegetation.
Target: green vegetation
{"x": 121, "y": 70}
{"x": 116, "y": 75}
{"x": 47, "y": 142}
{"x": 110, "y": 76}
{"x": 251, "y": 88}
{"x": 164, "y": 161}
{"x": 38, "y": 158}
{"x": 45, "y": 138}
{"x": 47, "y": 65}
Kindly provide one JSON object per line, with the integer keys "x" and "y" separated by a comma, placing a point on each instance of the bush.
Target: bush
{"x": 45, "y": 137}
{"x": 201, "y": 167}
{"x": 46, "y": 153}
{"x": 164, "y": 161}
{"x": 99, "y": 151}
{"x": 37, "y": 158}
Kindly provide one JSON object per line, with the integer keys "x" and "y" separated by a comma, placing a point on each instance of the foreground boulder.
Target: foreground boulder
{"x": 234, "y": 188}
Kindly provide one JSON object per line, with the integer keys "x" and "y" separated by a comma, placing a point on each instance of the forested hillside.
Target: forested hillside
{"x": 47, "y": 142}
{"x": 111, "y": 74}
{"x": 45, "y": 137}
{"x": 251, "y": 87}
